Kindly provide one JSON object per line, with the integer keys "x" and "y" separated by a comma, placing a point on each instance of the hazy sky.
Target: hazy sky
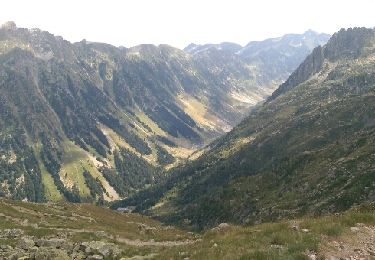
{"x": 180, "y": 22}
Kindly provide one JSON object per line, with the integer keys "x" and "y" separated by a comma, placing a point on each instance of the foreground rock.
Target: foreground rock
{"x": 29, "y": 247}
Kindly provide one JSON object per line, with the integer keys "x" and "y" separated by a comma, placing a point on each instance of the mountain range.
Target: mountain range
{"x": 89, "y": 121}
{"x": 308, "y": 150}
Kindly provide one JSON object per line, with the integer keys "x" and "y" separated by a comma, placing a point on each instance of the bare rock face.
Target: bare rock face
{"x": 9, "y": 26}
{"x": 26, "y": 243}
{"x": 312, "y": 64}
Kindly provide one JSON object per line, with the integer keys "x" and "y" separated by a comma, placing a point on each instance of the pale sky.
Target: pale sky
{"x": 180, "y": 22}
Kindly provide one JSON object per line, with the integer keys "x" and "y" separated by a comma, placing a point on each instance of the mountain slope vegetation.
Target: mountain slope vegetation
{"x": 309, "y": 150}
{"x": 121, "y": 115}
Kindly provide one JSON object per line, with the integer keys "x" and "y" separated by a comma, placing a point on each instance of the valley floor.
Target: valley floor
{"x": 84, "y": 231}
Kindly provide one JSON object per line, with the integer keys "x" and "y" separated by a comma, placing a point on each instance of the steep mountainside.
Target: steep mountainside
{"x": 310, "y": 149}
{"x": 91, "y": 121}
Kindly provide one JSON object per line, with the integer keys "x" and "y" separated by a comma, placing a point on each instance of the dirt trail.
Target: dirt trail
{"x": 140, "y": 243}
{"x": 140, "y": 257}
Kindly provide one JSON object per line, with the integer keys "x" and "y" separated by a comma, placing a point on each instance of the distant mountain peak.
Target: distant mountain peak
{"x": 223, "y": 46}
{"x": 10, "y": 25}
{"x": 310, "y": 31}
{"x": 254, "y": 49}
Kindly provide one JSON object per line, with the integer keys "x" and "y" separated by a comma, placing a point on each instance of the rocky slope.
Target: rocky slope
{"x": 308, "y": 150}
{"x": 90, "y": 121}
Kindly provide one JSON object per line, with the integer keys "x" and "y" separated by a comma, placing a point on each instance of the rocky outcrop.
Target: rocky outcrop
{"x": 348, "y": 43}
{"x": 11, "y": 233}
{"x": 103, "y": 248}
{"x": 30, "y": 247}
{"x": 312, "y": 64}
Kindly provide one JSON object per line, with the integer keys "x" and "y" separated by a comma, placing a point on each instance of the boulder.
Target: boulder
{"x": 54, "y": 242}
{"x": 45, "y": 253}
{"x": 354, "y": 229}
{"x": 26, "y": 243}
{"x": 16, "y": 256}
{"x": 105, "y": 249}
{"x": 221, "y": 227}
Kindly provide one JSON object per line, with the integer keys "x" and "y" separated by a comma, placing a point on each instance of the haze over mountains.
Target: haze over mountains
{"x": 275, "y": 58}
{"x": 90, "y": 121}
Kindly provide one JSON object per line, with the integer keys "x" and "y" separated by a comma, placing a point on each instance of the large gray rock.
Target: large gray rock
{"x": 105, "y": 249}
{"x": 95, "y": 257}
{"x": 221, "y": 227}
{"x": 45, "y": 253}
{"x": 58, "y": 243}
{"x": 15, "y": 255}
{"x": 26, "y": 243}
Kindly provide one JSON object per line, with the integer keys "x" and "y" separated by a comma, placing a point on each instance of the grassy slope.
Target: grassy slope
{"x": 266, "y": 241}
{"x": 51, "y": 192}
{"x": 75, "y": 160}
{"x": 280, "y": 240}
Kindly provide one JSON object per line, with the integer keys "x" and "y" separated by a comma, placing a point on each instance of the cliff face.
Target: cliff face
{"x": 311, "y": 65}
